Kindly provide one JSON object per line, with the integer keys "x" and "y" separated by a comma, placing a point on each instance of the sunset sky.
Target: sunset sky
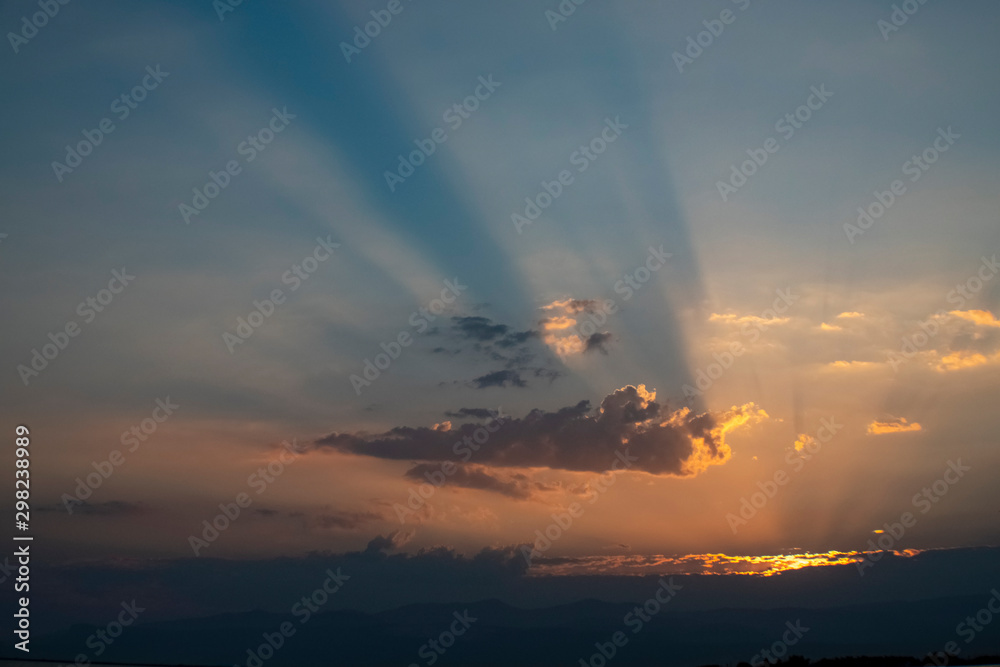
{"x": 719, "y": 328}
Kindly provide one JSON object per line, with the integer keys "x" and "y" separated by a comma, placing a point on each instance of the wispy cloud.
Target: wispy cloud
{"x": 893, "y": 425}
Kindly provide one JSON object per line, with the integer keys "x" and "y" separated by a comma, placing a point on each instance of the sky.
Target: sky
{"x": 686, "y": 293}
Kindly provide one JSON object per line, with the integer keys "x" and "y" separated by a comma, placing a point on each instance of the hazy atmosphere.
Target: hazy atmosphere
{"x": 544, "y": 309}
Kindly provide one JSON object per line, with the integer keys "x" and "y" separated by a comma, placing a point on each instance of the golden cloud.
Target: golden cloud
{"x": 893, "y": 425}
{"x": 979, "y": 317}
{"x": 730, "y": 318}
{"x": 957, "y": 361}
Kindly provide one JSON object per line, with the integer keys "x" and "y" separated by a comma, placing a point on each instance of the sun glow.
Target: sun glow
{"x": 707, "y": 564}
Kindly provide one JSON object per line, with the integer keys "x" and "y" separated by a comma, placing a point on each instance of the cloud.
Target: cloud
{"x": 830, "y": 327}
{"x": 484, "y": 331}
{"x": 515, "y": 351}
{"x": 478, "y": 328}
{"x": 802, "y": 441}
{"x": 979, "y": 317}
{"x": 516, "y": 338}
{"x": 851, "y": 314}
{"x": 598, "y": 341}
{"x": 730, "y": 318}
{"x": 473, "y": 413}
{"x": 560, "y": 331}
{"x": 961, "y": 360}
{"x": 390, "y": 542}
{"x": 853, "y": 365}
{"x": 578, "y": 438}
{"x": 513, "y": 485}
{"x": 893, "y": 425}
{"x": 573, "y": 306}
{"x": 499, "y": 379}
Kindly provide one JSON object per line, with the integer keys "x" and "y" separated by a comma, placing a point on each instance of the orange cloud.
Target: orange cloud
{"x": 893, "y": 425}
{"x": 558, "y": 323}
{"x": 960, "y": 360}
{"x": 715, "y": 450}
{"x": 802, "y": 441}
{"x": 852, "y": 365}
{"x": 978, "y": 317}
{"x": 850, "y": 314}
{"x": 730, "y": 318}
{"x": 830, "y": 327}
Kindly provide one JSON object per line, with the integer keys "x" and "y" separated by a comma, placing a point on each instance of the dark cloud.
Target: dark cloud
{"x": 499, "y": 379}
{"x": 478, "y": 328}
{"x": 520, "y": 355}
{"x": 577, "y": 438}
{"x": 484, "y": 330}
{"x": 390, "y": 542}
{"x": 471, "y": 413}
{"x": 517, "y": 485}
{"x": 597, "y": 341}
{"x": 517, "y": 338}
